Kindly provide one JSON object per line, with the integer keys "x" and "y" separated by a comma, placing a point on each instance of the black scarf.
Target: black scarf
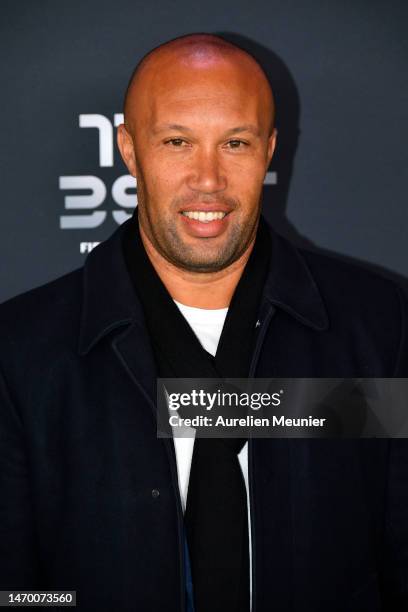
{"x": 177, "y": 350}
{"x": 216, "y": 513}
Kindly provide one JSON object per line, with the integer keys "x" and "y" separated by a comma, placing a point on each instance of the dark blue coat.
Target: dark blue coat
{"x": 80, "y": 458}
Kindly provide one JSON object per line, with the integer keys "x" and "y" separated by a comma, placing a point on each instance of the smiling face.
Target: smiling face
{"x": 198, "y": 138}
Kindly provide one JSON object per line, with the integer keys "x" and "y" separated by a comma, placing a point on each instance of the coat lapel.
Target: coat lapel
{"x": 110, "y": 304}
{"x": 134, "y": 351}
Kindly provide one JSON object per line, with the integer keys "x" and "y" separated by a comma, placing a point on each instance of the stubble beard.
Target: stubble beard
{"x": 164, "y": 235}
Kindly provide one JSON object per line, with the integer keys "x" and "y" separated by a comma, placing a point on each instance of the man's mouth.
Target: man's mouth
{"x": 204, "y": 216}
{"x": 210, "y": 222}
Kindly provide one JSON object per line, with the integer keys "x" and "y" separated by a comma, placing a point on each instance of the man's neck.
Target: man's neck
{"x": 210, "y": 290}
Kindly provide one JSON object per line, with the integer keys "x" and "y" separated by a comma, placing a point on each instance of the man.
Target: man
{"x": 197, "y": 284}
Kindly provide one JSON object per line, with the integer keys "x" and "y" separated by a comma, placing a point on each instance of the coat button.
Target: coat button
{"x": 155, "y": 493}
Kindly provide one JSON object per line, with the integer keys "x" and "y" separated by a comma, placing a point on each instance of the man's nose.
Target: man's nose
{"x": 207, "y": 174}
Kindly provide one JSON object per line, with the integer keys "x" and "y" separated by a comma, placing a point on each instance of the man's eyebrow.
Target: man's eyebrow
{"x": 164, "y": 127}
{"x": 244, "y": 128}
{"x": 183, "y": 128}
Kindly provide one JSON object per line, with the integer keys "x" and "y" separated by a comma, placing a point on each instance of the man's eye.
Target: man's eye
{"x": 176, "y": 142}
{"x": 236, "y": 144}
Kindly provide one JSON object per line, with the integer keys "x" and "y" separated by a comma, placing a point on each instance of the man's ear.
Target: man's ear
{"x": 271, "y": 146}
{"x": 125, "y": 145}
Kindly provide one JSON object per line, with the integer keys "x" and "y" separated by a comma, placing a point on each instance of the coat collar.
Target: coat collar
{"x": 291, "y": 286}
{"x": 110, "y": 302}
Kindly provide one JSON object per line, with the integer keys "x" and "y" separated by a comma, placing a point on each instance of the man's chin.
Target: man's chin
{"x": 202, "y": 254}
{"x": 204, "y": 262}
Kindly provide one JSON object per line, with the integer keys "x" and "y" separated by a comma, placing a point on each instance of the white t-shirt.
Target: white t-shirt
{"x": 207, "y": 326}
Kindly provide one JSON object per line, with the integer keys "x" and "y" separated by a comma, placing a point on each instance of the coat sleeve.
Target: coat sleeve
{"x": 395, "y": 559}
{"x": 18, "y": 561}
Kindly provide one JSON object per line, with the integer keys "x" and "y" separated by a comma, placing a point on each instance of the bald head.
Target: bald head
{"x": 195, "y": 54}
{"x": 199, "y": 137}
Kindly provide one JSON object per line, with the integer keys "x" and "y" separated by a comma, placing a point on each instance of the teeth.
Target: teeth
{"x": 204, "y": 217}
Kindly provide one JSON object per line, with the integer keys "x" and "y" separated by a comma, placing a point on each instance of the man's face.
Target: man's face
{"x": 198, "y": 142}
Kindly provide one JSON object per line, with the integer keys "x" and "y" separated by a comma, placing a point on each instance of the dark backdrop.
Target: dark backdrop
{"x": 338, "y": 68}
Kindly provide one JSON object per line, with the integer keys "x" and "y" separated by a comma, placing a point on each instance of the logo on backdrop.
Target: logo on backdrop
{"x": 85, "y": 195}
{"x": 86, "y": 209}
